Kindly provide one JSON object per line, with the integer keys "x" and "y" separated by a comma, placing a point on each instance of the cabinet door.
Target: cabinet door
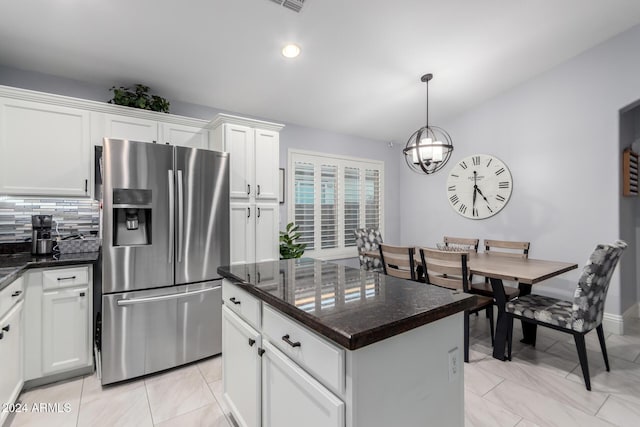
{"x": 184, "y": 136}
{"x": 65, "y": 329}
{"x": 11, "y": 355}
{"x": 239, "y": 142}
{"x": 241, "y": 370}
{"x": 284, "y": 382}
{"x": 242, "y": 233}
{"x": 44, "y": 149}
{"x": 267, "y": 163}
{"x": 131, "y": 128}
{"x": 267, "y": 234}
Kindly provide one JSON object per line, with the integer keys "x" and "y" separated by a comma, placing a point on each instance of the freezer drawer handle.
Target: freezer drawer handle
{"x": 133, "y": 301}
{"x": 291, "y": 343}
{"x": 66, "y": 278}
{"x": 16, "y": 294}
{"x": 233, "y": 300}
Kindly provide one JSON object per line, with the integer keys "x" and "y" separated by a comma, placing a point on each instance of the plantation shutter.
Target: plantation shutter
{"x": 304, "y": 197}
{"x": 351, "y": 204}
{"x": 372, "y": 198}
{"x": 332, "y": 197}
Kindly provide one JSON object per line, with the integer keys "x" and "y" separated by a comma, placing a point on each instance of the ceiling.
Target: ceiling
{"x": 361, "y": 62}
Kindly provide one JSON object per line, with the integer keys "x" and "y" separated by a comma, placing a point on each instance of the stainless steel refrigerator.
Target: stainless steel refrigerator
{"x": 165, "y": 231}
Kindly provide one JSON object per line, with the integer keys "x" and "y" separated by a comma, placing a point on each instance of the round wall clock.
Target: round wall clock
{"x": 479, "y": 186}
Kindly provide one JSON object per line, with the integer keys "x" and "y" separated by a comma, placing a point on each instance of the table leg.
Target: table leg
{"x": 528, "y": 329}
{"x": 502, "y": 324}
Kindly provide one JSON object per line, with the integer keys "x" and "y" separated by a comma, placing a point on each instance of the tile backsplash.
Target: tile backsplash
{"x": 72, "y": 216}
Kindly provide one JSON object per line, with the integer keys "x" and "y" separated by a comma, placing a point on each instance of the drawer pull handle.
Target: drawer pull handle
{"x": 261, "y": 351}
{"x": 6, "y": 328}
{"x": 251, "y": 342}
{"x": 233, "y": 300}
{"x": 82, "y": 294}
{"x": 1, "y": 335}
{"x": 16, "y": 294}
{"x": 291, "y": 343}
{"x": 66, "y": 278}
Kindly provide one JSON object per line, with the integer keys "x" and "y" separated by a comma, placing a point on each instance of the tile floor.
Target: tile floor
{"x": 540, "y": 387}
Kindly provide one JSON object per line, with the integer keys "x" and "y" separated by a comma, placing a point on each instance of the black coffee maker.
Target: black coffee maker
{"x": 41, "y": 242}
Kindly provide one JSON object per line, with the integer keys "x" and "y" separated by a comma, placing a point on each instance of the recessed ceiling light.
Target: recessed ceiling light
{"x": 291, "y": 50}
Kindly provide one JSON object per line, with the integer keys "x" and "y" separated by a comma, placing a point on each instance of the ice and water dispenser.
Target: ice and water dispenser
{"x": 131, "y": 217}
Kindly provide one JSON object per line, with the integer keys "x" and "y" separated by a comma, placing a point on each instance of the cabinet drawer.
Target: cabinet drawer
{"x": 241, "y": 303}
{"x": 11, "y": 295}
{"x": 65, "y": 277}
{"x": 322, "y": 359}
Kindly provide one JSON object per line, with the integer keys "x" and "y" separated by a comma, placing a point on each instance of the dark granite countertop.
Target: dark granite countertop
{"x": 351, "y": 307}
{"x": 13, "y": 264}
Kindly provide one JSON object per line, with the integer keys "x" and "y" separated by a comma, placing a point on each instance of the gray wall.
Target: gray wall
{"x": 292, "y": 136}
{"x": 629, "y": 212}
{"x": 558, "y": 134}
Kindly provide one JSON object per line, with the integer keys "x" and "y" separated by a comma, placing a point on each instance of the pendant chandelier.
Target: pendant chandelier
{"x": 429, "y": 148}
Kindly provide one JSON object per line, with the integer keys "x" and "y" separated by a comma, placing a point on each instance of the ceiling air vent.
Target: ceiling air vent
{"x": 295, "y": 5}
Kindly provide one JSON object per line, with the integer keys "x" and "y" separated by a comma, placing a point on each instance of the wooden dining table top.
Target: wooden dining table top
{"x": 522, "y": 270}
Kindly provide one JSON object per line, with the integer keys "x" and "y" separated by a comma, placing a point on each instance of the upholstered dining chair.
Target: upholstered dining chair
{"x": 449, "y": 270}
{"x": 397, "y": 261}
{"x": 577, "y": 317}
{"x": 368, "y": 239}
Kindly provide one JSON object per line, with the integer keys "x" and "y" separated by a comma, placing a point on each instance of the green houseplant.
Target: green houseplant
{"x": 288, "y": 247}
{"x": 139, "y": 98}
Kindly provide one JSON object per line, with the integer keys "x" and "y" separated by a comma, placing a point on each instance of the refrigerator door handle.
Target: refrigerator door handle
{"x": 134, "y": 301}
{"x": 171, "y": 215}
{"x": 180, "y": 215}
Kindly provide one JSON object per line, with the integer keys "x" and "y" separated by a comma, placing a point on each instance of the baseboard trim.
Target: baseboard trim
{"x": 614, "y": 323}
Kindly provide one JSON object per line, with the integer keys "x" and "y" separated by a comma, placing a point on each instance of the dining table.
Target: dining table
{"x": 498, "y": 268}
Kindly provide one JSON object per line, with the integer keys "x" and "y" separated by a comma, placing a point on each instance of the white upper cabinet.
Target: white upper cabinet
{"x": 254, "y": 148}
{"x": 46, "y": 140}
{"x": 267, "y": 159}
{"x": 44, "y": 149}
{"x": 131, "y": 128}
{"x": 184, "y": 136}
{"x": 239, "y": 142}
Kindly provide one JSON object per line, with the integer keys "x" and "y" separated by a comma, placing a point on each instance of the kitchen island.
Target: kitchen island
{"x": 312, "y": 343}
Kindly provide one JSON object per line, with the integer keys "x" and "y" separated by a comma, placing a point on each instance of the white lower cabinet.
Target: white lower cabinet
{"x": 291, "y": 397}
{"x": 261, "y": 384}
{"x": 58, "y": 321}
{"x": 241, "y": 373}
{"x": 65, "y": 329}
{"x": 11, "y": 354}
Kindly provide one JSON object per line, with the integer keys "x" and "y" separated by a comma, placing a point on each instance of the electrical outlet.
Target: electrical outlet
{"x": 454, "y": 364}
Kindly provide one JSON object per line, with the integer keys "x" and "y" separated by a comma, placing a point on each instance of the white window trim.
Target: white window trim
{"x": 342, "y": 161}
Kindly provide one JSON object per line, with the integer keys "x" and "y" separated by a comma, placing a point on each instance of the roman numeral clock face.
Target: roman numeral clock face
{"x": 479, "y": 186}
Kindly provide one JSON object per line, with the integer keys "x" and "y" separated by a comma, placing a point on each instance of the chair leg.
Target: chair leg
{"x": 509, "y": 335}
{"x": 603, "y": 346}
{"x": 582, "y": 355}
{"x": 490, "y": 317}
{"x": 466, "y": 336}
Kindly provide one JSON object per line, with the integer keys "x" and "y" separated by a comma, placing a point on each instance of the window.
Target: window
{"x": 332, "y": 197}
